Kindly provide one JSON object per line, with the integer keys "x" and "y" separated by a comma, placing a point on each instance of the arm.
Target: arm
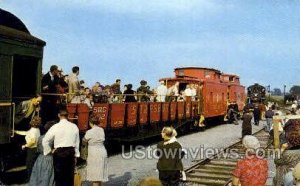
{"x": 22, "y": 133}
{"x": 235, "y": 181}
{"x": 49, "y": 137}
{"x": 77, "y": 153}
{"x": 30, "y": 142}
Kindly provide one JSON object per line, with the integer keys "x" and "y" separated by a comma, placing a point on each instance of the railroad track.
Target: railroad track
{"x": 217, "y": 170}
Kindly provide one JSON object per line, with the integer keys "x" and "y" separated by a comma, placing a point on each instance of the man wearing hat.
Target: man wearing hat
{"x": 143, "y": 90}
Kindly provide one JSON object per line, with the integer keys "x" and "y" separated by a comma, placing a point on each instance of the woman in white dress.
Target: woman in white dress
{"x": 97, "y": 155}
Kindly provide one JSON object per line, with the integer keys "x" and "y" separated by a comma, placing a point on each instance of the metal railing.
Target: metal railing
{"x": 13, "y": 115}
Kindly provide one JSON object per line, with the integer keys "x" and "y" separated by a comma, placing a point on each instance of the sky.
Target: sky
{"x": 146, "y": 39}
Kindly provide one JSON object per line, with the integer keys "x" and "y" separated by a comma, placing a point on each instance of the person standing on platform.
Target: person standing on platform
{"x": 73, "y": 83}
{"x": 50, "y": 82}
{"x": 290, "y": 157}
{"x": 269, "y": 117}
{"x": 252, "y": 170}
{"x": 246, "y": 125}
{"x": 43, "y": 171}
{"x": 97, "y": 156}
{"x": 169, "y": 167}
{"x": 256, "y": 114}
{"x": 31, "y": 138}
{"x": 65, "y": 136}
{"x": 161, "y": 91}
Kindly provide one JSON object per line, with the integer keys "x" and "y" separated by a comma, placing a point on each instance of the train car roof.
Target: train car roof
{"x": 12, "y": 27}
{"x": 223, "y": 74}
{"x": 180, "y": 79}
{"x": 11, "y": 21}
{"x": 200, "y": 68}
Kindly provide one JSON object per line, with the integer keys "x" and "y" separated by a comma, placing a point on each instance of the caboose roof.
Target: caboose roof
{"x": 232, "y": 75}
{"x": 199, "y": 68}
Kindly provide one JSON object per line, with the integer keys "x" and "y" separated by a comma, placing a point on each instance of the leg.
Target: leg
{"x": 96, "y": 183}
{"x": 64, "y": 165}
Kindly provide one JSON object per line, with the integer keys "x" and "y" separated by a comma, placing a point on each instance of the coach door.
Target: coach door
{"x": 6, "y": 105}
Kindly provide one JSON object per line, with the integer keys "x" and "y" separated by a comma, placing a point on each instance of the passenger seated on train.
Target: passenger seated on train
{"x": 194, "y": 92}
{"x": 173, "y": 92}
{"x": 187, "y": 92}
{"x": 181, "y": 96}
{"x": 116, "y": 91}
{"x": 97, "y": 88}
{"x": 27, "y": 109}
{"x": 82, "y": 97}
{"x": 129, "y": 94}
{"x": 144, "y": 92}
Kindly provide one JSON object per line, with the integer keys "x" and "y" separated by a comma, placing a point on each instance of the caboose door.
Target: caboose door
{"x": 6, "y": 105}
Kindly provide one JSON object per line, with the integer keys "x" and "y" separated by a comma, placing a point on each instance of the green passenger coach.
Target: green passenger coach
{"x": 21, "y": 56}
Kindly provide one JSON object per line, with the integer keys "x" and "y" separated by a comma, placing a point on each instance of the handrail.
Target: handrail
{"x": 116, "y": 95}
{"x": 13, "y": 119}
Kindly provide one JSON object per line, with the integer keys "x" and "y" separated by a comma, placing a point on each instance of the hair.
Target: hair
{"x": 63, "y": 112}
{"x": 49, "y": 124}
{"x": 75, "y": 69}
{"x": 94, "y": 119}
{"x": 129, "y": 86}
{"x": 53, "y": 68}
{"x": 251, "y": 143}
{"x": 150, "y": 181}
{"x": 35, "y": 122}
{"x": 169, "y": 132}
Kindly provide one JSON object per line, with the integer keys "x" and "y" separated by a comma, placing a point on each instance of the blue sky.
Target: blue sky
{"x": 143, "y": 39}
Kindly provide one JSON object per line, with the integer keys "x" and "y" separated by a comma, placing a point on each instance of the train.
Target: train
{"x": 139, "y": 120}
{"x": 256, "y": 93}
{"x": 21, "y": 57}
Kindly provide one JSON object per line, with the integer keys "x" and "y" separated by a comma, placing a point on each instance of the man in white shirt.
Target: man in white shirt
{"x": 65, "y": 137}
{"x": 187, "y": 92}
{"x": 161, "y": 91}
{"x": 173, "y": 92}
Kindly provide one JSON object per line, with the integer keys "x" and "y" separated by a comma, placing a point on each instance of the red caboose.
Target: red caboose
{"x": 236, "y": 92}
{"x": 135, "y": 121}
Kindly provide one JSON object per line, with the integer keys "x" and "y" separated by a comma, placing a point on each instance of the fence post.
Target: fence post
{"x": 276, "y": 120}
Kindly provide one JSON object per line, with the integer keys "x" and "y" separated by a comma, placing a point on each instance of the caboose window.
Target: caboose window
{"x": 181, "y": 72}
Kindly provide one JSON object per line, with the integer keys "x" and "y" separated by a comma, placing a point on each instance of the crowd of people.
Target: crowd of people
{"x": 51, "y": 157}
{"x": 254, "y": 171}
{"x": 53, "y": 150}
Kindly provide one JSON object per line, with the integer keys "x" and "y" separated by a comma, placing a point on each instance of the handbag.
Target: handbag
{"x": 77, "y": 178}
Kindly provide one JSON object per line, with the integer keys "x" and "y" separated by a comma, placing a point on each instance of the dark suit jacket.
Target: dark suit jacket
{"x": 46, "y": 80}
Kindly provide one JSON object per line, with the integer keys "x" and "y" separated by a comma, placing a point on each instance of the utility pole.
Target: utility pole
{"x": 269, "y": 89}
{"x": 284, "y": 86}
